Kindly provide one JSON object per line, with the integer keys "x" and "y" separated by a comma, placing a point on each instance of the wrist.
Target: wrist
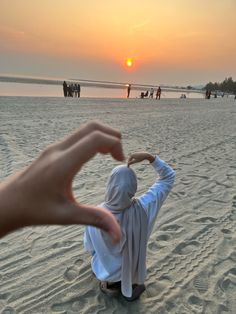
{"x": 150, "y": 158}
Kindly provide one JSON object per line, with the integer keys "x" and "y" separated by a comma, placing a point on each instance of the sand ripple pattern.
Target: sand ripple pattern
{"x": 192, "y": 250}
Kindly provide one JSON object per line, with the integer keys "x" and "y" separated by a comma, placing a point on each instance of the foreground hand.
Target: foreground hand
{"x": 138, "y": 157}
{"x": 42, "y": 193}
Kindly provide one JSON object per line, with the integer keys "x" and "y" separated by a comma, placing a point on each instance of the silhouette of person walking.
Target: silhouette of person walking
{"x": 151, "y": 93}
{"x": 65, "y": 89}
{"x": 158, "y": 94}
{"x": 128, "y": 90}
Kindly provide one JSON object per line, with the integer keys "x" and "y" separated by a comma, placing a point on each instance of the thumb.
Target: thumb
{"x": 97, "y": 217}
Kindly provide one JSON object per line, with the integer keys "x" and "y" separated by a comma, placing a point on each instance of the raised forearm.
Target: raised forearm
{"x": 139, "y": 157}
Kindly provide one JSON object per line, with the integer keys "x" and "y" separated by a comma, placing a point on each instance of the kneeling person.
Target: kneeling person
{"x": 122, "y": 266}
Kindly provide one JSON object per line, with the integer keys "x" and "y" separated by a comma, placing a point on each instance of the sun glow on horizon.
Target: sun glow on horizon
{"x": 119, "y": 39}
{"x": 129, "y": 62}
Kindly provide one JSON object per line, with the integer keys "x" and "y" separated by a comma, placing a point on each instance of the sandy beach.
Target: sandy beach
{"x": 191, "y": 257}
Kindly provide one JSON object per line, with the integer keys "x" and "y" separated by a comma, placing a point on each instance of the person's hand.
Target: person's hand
{"x": 42, "y": 193}
{"x": 138, "y": 157}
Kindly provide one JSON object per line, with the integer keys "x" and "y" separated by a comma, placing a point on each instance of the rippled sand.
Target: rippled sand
{"x": 192, "y": 251}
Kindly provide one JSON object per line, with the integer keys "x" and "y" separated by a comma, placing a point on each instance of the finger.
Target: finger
{"x": 87, "y": 129}
{"x": 130, "y": 158}
{"x": 90, "y": 145}
{"x": 133, "y": 161}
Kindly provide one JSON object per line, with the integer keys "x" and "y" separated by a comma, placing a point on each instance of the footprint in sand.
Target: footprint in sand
{"x": 71, "y": 273}
{"x": 8, "y": 310}
{"x": 79, "y": 262}
{"x": 228, "y": 283}
{"x": 233, "y": 256}
{"x": 37, "y": 245}
{"x": 233, "y": 215}
{"x": 172, "y": 228}
{"x": 186, "y": 248}
{"x": 61, "y": 308}
{"x": 63, "y": 244}
{"x": 156, "y": 288}
{"x": 227, "y": 233}
{"x": 4, "y": 296}
{"x": 225, "y": 246}
{"x": 204, "y": 192}
{"x": 234, "y": 201}
{"x": 201, "y": 283}
{"x": 196, "y": 304}
{"x": 152, "y": 246}
{"x": 222, "y": 309}
{"x": 205, "y": 220}
{"x": 185, "y": 181}
{"x": 163, "y": 237}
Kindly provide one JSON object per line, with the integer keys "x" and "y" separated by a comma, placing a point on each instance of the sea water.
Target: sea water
{"x": 43, "y": 90}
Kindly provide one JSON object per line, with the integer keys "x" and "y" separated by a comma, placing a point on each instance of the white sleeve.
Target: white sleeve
{"x": 88, "y": 245}
{"x": 153, "y": 199}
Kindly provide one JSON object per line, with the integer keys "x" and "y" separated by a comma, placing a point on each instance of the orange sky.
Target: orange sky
{"x": 170, "y": 41}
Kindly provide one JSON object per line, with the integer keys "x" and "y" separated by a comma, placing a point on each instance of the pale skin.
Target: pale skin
{"x": 42, "y": 193}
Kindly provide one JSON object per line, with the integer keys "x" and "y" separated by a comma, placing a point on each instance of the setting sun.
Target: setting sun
{"x": 129, "y": 62}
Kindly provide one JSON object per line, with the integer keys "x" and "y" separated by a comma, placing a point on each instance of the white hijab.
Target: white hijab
{"x": 119, "y": 199}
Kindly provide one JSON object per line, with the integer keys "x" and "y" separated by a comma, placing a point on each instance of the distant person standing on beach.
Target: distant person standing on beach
{"x": 70, "y": 90}
{"x": 122, "y": 267}
{"x": 65, "y": 89}
{"x": 128, "y": 90}
{"x": 78, "y": 90}
{"x": 158, "y": 93}
{"x": 151, "y": 93}
{"x": 208, "y": 94}
{"x": 75, "y": 90}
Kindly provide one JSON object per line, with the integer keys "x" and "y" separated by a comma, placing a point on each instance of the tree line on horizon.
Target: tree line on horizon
{"x": 227, "y": 86}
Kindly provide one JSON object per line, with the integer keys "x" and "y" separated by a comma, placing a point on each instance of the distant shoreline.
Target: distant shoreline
{"x": 52, "y": 87}
{"x": 92, "y": 83}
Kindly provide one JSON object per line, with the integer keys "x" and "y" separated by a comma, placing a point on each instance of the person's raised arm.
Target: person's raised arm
{"x": 42, "y": 193}
{"x": 140, "y": 156}
{"x": 153, "y": 199}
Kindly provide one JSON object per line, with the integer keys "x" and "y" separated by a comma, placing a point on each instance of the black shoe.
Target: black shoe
{"x": 137, "y": 291}
{"x": 111, "y": 289}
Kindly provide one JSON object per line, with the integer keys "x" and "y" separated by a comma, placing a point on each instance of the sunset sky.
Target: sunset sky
{"x": 169, "y": 41}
